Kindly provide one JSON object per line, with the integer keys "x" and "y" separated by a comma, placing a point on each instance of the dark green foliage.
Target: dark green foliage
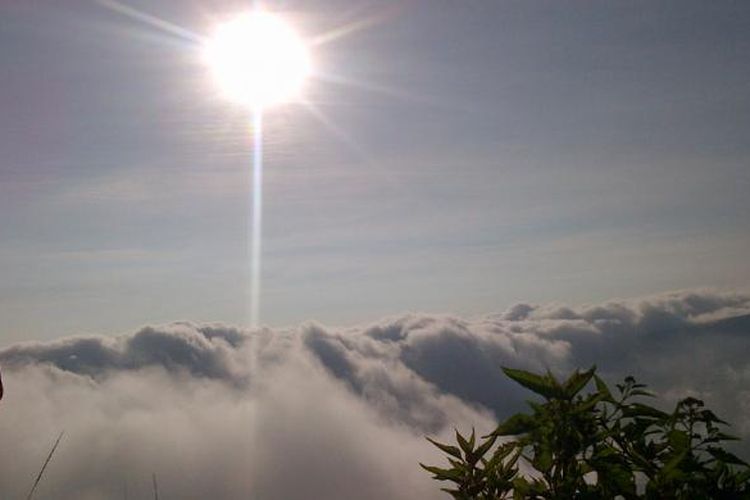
{"x": 597, "y": 445}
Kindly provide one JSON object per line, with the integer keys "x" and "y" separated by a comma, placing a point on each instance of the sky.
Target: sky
{"x": 533, "y": 184}
{"x": 458, "y": 156}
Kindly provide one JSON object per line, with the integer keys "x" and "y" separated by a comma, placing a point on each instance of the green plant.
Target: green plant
{"x": 596, "y": 445}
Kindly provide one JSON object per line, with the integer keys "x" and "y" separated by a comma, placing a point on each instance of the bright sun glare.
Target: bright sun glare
{"x": 258, "y": 60}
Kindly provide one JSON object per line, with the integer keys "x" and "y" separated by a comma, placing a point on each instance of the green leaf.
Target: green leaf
{"x": 578, "y": 381}
{"x": 709, "y": 416}
{"x": 679, "y": 440}
{"x": 443, "y": 474}
{"x": 543, "y": 460}
{"x": 671, "y": 467}
{"x": 519, "y": 423}
{"x": 617, "y": 475}
{"x": 450, "y": 450}
{"x": 726, "y": 437}
{"x": 744, "y": 477}
{"x": 591, "y": 401}
{"x": 602, "y": 387}
{"x": 544, "y": 386}
{"x": 725, "y": 456}
{"x": 463, "y": 443}
{"x": 641, "y": 410}
{"x": 521, "y": 488}
{"x": 641, "y": 392}
{"x": 485, "y": 447}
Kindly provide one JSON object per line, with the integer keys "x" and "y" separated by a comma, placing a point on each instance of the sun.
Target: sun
{"x": 258, "y": 60}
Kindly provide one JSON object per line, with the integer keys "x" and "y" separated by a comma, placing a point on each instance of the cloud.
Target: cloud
{"x": 318, "y": 412}
{"x": 203, "y": 351}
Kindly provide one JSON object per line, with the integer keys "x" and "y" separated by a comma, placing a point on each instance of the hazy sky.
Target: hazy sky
{"x": 462, "y": 156}
{"x": 470, "y": 184}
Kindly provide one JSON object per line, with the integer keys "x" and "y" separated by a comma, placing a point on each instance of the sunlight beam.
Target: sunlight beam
{"x": 257, "y": 219}
{"x": 355, "y": 26}
{"x": 258, "y": 61}
{"x": 150, "y": 20}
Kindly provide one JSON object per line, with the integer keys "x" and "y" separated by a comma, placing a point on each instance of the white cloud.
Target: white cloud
{"x": 318, "y": 412}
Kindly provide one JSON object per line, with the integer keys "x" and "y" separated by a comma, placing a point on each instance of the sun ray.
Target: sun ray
{"x": 388, "y": 91}
{"x": 151, "y": 20}
{"x": 257, "y": 219}
{"x": 337, "y": 131}
{"x": 356, "y": 26}
{"x": 361, "y": 153}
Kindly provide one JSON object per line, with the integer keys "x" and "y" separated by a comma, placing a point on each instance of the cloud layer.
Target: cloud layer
{"x": 317, "y": 412}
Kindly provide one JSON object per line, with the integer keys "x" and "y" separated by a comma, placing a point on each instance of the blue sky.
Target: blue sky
{"x": 475, "y": 154}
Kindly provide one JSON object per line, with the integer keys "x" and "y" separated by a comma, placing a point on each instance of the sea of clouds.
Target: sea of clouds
{"x": 316, "y": 412}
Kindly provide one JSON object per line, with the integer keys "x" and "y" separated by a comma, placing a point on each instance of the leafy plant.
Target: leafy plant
{"x": 594, "y": 445}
